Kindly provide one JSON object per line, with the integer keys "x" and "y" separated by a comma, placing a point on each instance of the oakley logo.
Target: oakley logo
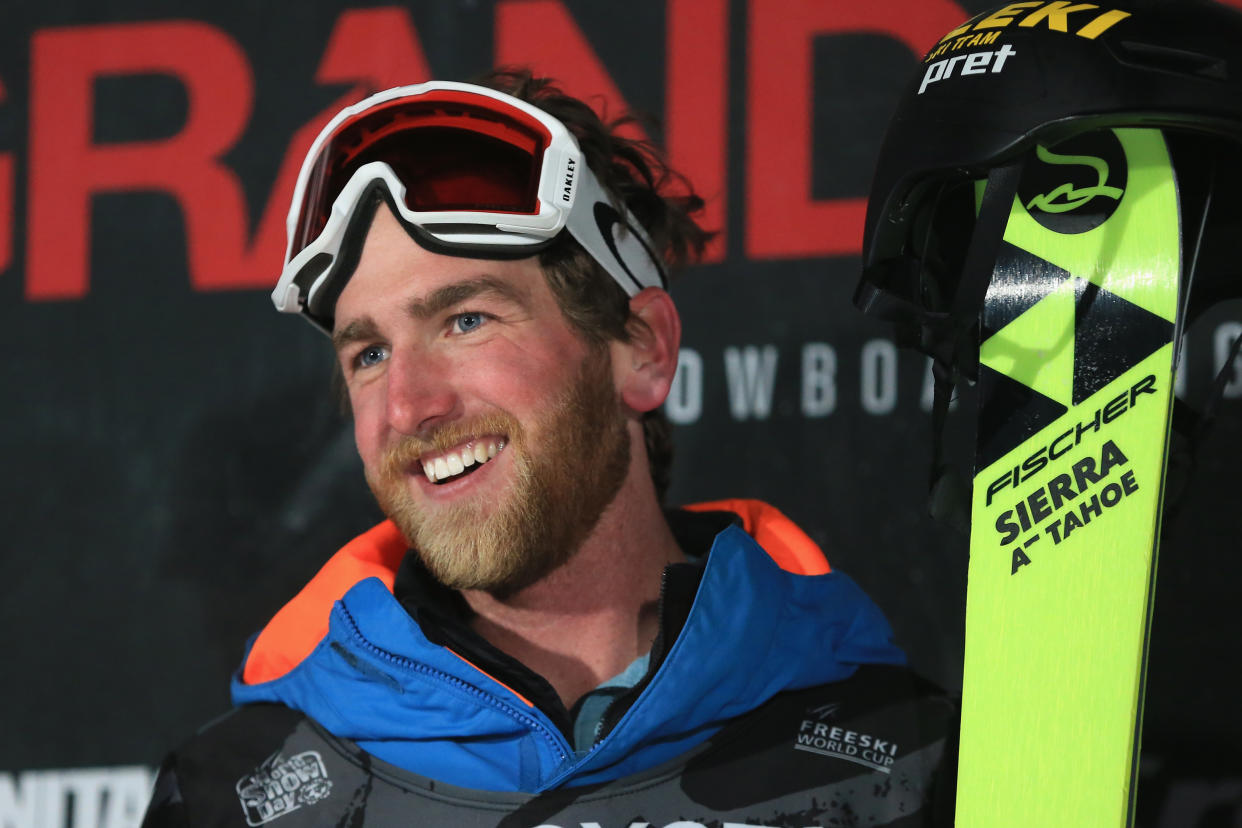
{"x": 567, "y": 192}
{"x": 606, "y": 218}
{"x": 1068, "y": 197}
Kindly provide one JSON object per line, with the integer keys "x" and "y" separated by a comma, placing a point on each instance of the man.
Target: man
{"x": 530, "y": 639}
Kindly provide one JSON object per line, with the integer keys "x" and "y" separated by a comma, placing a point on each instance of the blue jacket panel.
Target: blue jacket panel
{"x": 753, "y": 631}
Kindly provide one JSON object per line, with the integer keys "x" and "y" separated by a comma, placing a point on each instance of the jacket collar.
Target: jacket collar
{"x": 420, "y": 704}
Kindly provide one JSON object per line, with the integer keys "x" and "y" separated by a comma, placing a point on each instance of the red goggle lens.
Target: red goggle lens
{"x": 450, "y": 152}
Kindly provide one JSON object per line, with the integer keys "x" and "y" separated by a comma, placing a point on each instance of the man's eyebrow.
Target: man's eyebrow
{"x": 364, "y": 328}
{"x": 439, "y": 301}
{"x": 446, "y": 297}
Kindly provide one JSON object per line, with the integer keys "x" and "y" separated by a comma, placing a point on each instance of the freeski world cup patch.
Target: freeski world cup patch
{"x": 1075, "y": 387}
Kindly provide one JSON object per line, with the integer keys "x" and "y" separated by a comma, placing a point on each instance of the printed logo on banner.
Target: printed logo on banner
{"x": 107, "y": 797}
{"x": 816, "y": 734}
{"x": 281, "y": 786}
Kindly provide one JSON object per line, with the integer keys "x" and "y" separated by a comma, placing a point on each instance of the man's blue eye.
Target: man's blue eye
{"x": 371, "y": 355}
{"x": 467, "y": 322}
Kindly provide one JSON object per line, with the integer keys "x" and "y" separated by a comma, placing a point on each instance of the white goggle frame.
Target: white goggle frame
{"x": 569, "y": 197}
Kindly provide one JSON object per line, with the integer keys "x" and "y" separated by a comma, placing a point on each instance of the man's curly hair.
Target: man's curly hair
{"x": 661, "y": 199}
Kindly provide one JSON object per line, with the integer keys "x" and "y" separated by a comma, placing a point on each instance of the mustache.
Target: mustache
{"x": 411, "y": 448}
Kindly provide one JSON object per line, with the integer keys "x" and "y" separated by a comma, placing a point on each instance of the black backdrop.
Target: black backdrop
{"x": 173, "y": 462}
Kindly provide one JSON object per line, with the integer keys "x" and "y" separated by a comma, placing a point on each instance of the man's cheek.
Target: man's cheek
{"x": 368, "y": 439}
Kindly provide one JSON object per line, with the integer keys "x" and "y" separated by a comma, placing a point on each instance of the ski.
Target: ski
{"x": 1077, "y": 350}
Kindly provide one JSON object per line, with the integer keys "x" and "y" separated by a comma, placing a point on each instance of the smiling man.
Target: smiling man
{"x": 531, "y": 639}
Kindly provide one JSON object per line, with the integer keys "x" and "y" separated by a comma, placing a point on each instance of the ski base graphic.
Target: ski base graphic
{"x": 1075, "y": 388}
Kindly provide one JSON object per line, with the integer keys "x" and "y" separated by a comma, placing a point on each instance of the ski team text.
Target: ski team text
{"x": 1055, "y": 15}
{"x": 985, "y": 30}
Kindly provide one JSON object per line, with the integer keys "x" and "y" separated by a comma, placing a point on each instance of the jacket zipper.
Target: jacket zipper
{"x": 609, "y": 719}
{"x": 553, "y": 737}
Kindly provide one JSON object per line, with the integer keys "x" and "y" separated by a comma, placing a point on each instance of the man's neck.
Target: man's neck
{"x": 588, "y": 620}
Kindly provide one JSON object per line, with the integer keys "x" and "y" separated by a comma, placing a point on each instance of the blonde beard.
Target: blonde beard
{"x": 562, "y": 480}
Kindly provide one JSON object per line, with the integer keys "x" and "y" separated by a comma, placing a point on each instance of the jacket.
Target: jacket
{"x": 762, "y": 631}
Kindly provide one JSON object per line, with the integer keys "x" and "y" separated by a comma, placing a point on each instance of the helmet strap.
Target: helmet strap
{"x": 955, "y": 345}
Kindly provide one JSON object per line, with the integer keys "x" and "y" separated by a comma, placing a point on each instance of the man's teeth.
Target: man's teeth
{"x": 456, "y": 462}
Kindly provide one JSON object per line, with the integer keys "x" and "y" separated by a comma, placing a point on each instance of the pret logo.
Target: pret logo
{"x": 1076, "y": 185}
{"x": 280, "y": 786}
{"x": 817, "y": 735}
{"x": 989, "y": 61}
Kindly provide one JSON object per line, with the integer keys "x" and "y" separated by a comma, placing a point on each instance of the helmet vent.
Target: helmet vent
{"x": 1176, "y": 61}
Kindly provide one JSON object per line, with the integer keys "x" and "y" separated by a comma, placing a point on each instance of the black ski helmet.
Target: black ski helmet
{"x": 1033, "y": 73}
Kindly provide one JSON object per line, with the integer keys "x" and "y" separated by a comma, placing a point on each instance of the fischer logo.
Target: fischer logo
{"x": 1069, "y": 439}
{"x": 1067, "y": 197}
{"x": 1077, "y": 185}
{"x": 868, "y": 750}
{"x": 975, "y": 63}
{"x": 567, "y": 191}
{"x": 281, "y": 786}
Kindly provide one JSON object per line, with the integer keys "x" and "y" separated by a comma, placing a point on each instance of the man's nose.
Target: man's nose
{"x": 421, "y": 392}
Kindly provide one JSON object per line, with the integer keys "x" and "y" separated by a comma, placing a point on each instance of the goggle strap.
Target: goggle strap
{"x": 628, "y": 256}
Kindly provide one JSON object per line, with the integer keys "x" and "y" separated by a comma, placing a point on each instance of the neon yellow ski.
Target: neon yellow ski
{"x": 1079, "y": 326}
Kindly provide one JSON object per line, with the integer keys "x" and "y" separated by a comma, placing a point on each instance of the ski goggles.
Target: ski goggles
{"x": 468, "y": 171}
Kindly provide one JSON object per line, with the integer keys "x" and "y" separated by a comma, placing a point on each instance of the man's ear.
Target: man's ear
{"x": 645, "y": 365}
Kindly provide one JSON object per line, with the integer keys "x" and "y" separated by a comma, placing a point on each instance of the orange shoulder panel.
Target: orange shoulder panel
{"x": 302, "y": 623}
{"x": 780, "y": 537}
